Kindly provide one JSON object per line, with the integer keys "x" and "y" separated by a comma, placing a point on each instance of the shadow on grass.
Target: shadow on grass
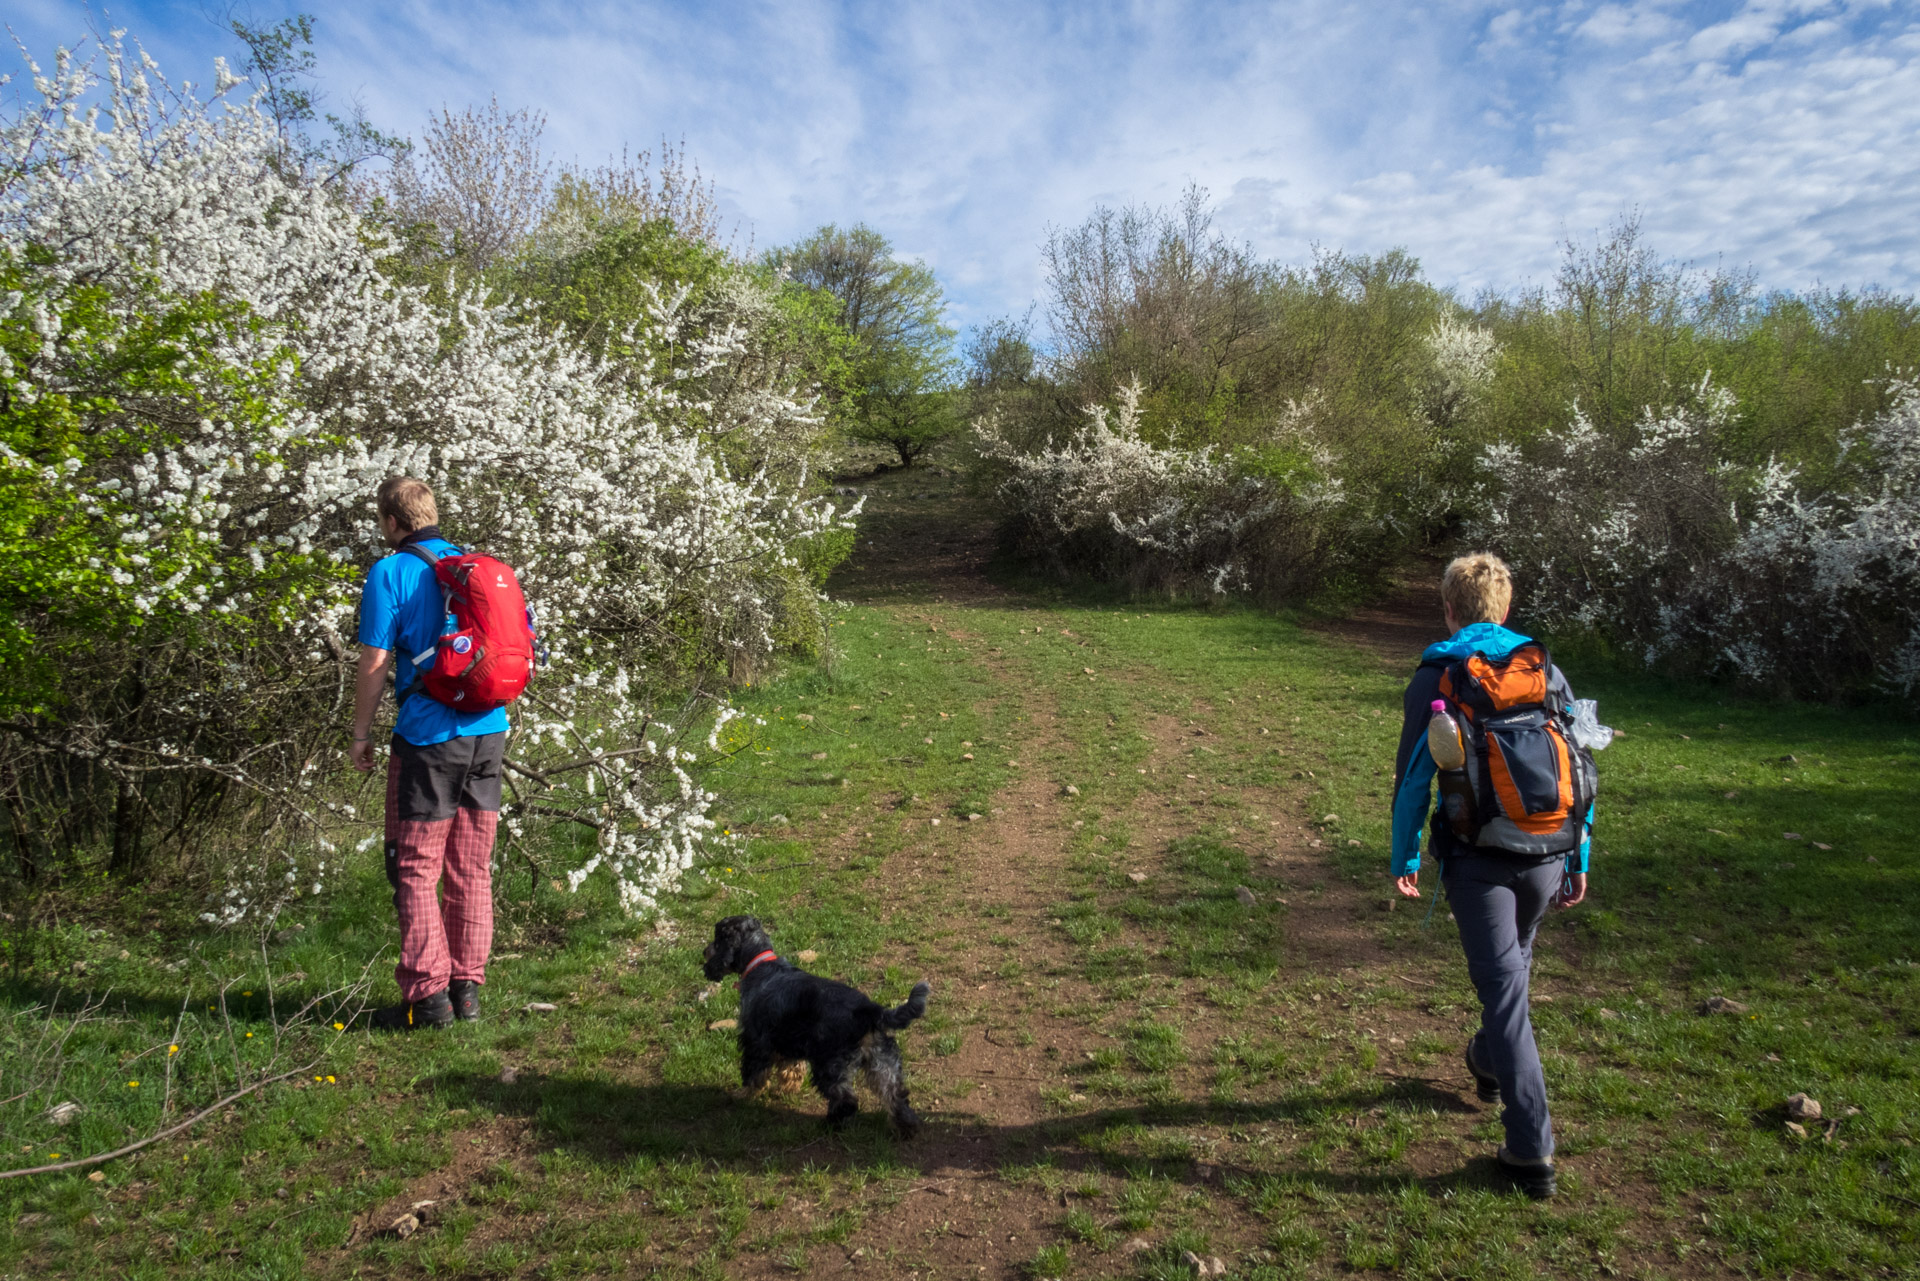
{"x": 618, "y": 1124}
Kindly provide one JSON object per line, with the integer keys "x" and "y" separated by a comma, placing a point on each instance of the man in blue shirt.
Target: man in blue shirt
{"x": 443, "y": 776}
{"x": 1498, "y": 898}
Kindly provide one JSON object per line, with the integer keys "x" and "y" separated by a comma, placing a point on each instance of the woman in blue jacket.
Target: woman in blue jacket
{"x": 1498, "y": 898}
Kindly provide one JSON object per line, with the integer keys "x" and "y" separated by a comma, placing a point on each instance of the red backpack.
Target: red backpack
{"x": 489, "y": 657}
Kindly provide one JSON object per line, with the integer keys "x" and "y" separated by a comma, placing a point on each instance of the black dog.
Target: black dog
{"x": 788, "y": 1016}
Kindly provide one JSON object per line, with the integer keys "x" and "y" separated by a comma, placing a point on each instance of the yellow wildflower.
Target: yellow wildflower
{"x": 331, "y": 1081}
{"x": 173, "y": 1049}
{"x": 133, "y": 1085}
{"x": 249, "y": 1036}
{"x": 339, "y": 1027}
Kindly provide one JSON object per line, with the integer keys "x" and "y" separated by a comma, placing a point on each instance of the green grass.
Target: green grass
{"x": 1198, "y": 1083}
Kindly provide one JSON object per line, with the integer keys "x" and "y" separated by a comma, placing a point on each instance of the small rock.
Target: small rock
{"x": 1821, "y": 845}
{"x": 779, "y": 820}
{"x": 1721, "y": 1005}
{"x": 404, "y": 1226}
{"x": 1796, "y": 1129}
{"x": 1194, "y": 1261}
{"x": 1138, "y": 878}
{"x": 508, "y": 1076}
{"x": 1219, "y": 1266}
{"x": 706, "y": 993}
{"x": 1134, "y": 1246}
{"x": 721, "y": 1025}
{"x": 538, "y": 1007}
{"x": 1245, "y": 896}
{"x": 819, "y": 756}
{"x": 1330, "y": 820}
{"x": 61, "y": 1113}
{"x": 928, "y": 740}
{"x": 1076, "y": 1098}
{"x": 1872, "y": 859}
{"x": 806, "y": 956}
{"x": 1789, "y": 836}
{"x": 1802, "y": 1108}
{"x": 973, "y": 818}
{"x": 1070, "y": 790}
{"x": 96, "y": 1177}
{"x": 936, "y": 822}
{"x": 1609, "y": 1014}
{"x": 966, "y": 756}
{"x": 1353, "y": 844}
{"x": 1087, "y": 670}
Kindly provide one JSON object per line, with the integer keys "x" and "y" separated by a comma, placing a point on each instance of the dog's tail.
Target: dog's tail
{"x": 901, "y": 1015}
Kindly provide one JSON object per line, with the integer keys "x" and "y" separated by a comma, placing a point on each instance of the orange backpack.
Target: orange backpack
{"x": 1532, "y": 782}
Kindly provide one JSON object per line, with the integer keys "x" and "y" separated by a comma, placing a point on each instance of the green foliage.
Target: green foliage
{"x": 72, "y": 437}
{"x": 897, "y": 388}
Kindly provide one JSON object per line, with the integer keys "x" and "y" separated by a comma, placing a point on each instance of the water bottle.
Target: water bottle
{"x": 1449, "y": 753}
{"x": 1443, "y": 739}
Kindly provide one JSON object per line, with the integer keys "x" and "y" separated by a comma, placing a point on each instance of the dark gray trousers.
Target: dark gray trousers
{"x": 1498, "y": 904}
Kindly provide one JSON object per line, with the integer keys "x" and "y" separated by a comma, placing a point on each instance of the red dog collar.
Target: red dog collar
{"x": 764, "y": 956}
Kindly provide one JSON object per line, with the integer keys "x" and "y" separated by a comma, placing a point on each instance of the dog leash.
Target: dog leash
{"x": 1440, "y": 885}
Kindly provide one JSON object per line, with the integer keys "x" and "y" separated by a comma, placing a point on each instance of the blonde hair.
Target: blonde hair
{"x": 1477, "y": 589}
{"x": 408, "y": 501}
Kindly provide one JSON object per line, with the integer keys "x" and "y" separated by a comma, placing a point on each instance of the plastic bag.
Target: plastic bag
{"x": 1588, "y": 732}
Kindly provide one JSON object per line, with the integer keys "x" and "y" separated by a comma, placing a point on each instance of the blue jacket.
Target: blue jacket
{"x": 1413, "y": 769}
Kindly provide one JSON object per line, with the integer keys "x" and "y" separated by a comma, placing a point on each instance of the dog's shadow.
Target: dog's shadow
{"x": 615, "y": 1122}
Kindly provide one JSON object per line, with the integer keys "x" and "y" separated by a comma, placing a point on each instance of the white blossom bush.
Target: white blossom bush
{"x": 1657, "y": 541}
{"x": 206, "y": 373}
{"x": 1108, "y": 502}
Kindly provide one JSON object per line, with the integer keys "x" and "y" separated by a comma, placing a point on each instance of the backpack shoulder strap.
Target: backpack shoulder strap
{"x": 431, "y": 558}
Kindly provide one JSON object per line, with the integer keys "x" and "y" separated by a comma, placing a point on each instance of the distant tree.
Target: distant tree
{"x": 902, "y": 393}
{"x": 280, "y": 63}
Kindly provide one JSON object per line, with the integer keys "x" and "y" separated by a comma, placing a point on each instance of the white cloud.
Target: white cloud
{"x": 1780, "y": 134}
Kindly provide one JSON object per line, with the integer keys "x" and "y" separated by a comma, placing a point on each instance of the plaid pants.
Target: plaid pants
{"x": 443, "y": 804}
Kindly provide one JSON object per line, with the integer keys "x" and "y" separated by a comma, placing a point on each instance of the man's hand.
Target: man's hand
{"x": 361, "y": 754}
{"x": 1408, "y": 885}
{"x": 1572, "y": 890}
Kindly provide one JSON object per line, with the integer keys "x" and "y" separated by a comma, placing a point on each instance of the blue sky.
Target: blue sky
{"x": 1781, "y": 135}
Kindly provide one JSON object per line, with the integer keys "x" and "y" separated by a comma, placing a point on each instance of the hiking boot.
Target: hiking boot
{"x": 1534, "y": 1177}
{"x": 465, "y": 995}
{"x": 410, "y": 1016}
{"x": 1485, "y": 1084}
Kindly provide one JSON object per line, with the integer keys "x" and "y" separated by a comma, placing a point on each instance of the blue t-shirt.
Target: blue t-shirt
{"x": 401, "y": 611}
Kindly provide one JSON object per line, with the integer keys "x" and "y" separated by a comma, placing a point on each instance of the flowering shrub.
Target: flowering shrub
{"x": 1657, "y": 541}
{"x": 206, "y": 374}
{"x": 1166, "y": 518}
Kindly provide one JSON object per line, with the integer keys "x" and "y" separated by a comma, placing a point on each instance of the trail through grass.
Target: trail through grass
{"x": 1140, "y": 853}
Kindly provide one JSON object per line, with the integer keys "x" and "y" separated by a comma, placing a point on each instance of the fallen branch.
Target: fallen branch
{"x": 195, "y": 1119}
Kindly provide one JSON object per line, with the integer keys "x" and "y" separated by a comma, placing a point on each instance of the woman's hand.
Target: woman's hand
{"x": 1409, "y": 885}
